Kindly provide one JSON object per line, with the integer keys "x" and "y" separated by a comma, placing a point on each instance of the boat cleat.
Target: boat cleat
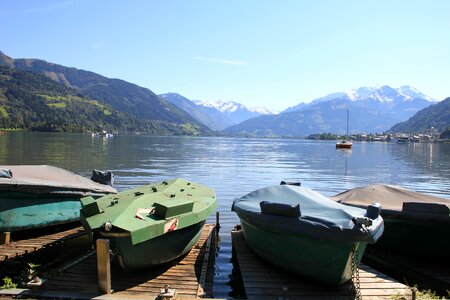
{"x": 36, "y": 283}
{"x": 167, "y": 293}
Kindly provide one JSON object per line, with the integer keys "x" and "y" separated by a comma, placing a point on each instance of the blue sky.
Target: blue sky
{"x": 274, "y": 54}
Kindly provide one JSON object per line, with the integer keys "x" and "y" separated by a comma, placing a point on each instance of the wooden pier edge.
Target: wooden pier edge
{"x": 79, "y": 278}
{"x": 204, "y": 270}
{"x": 5, "y": 238}
{"x": 14, "y": 249}
{"x": 433, "y": 275}
{"x": 103, "y": 266}
{"x": 263, "y": 281}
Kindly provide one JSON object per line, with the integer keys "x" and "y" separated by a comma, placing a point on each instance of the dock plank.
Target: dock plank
{"x": 30, "y": 245}
{"x": 263, "y": 281}
{"x": 425, "y": 274}
{"x": 184, "y": 275}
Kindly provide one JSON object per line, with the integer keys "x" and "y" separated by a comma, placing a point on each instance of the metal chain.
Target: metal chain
{"x": 355, "y": 273}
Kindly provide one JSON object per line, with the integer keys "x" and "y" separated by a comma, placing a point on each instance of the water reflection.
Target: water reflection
{"x": 346, "y": 153}
{"x": 234, "y": 167}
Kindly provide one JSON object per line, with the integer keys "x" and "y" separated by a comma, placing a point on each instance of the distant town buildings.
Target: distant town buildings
{"x": 431, "y": 136}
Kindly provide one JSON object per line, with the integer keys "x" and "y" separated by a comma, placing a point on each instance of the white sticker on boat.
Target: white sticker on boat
{"x": 141, "y": 212}
{"x": 171, "y": 225}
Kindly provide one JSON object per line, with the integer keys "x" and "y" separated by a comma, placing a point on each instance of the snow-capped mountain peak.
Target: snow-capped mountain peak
{"x": 220, "y": 105}
{"x": 384, "y": 94}
{"x": 231, "y": 106}
{"x": 261, "y": 110}
{"x": 413, "y": 93}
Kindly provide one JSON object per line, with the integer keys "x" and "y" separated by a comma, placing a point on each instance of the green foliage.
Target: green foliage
{"x": 437, "y": 116}
{"x": 57, "y": 105}
{"x": 31, "y": 101}
{"x": 421, "y": 295}
{"x": 427, "y": 295}
{"x": 190, "y": 129}
{"x": 8, "y": 283}
{"x": 3, "y": 112}
{"x": 31, "y": 271}
{"x": 445, "y": 134}
{"x": 322, "y": 136}
{"x": 126, "y": 107}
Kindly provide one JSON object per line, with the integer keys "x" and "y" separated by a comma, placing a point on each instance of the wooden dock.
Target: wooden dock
{"x": 22, "y": 247}
{"x": 191, "y": 277}
{"x": 424, "y": 274}
{"x": 263, "y": 281}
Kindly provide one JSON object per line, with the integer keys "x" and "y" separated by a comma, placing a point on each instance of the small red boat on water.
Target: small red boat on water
{"x": 344, "y": 144}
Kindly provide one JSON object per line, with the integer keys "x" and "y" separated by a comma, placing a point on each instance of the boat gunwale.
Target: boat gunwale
{"x": 394, "y": 213}
{"x": 312, "y": 229}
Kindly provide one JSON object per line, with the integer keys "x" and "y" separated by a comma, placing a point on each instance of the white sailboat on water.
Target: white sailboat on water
{"x": 345, "y": 144}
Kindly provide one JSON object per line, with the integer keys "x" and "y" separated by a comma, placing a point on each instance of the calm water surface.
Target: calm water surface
{"x": 234, "y": 167}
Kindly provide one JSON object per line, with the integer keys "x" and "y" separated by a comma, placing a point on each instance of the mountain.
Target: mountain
{"x": 217, "y": 115}
{"x": 208, "y": 116}
{"x": 236, "y": 112}
{"x": 31, "y": 101}
{"x": 119, "y": 94}
{"x": 437, "y": 116}
{"x": 445, "y": 135}
{"x": 372, "y": 109}
{"x": 381, "y": 94}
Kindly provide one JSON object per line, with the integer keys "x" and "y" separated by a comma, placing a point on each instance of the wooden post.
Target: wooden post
{"x": 5, "y": 238}
{"x": 217, "y": 221}
{"x": 103, "y": 266}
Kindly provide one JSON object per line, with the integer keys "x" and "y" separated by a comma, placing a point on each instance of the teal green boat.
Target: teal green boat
{"x": 36, "y": 196}
{"x": 416, "y": 225}
{"x": 151, "y": 224}
{"x": 306, "y": 233}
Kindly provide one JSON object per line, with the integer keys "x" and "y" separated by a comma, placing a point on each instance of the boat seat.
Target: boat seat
{"x": 173, "y": 208}
{"x": 90, "y": 207}
{"x": 280, "y": 209}
{"x": 103, "y": 177}
{"x": 296, "y": 183}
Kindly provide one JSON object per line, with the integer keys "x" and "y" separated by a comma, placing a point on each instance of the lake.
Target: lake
{"x": 234, "y": 167}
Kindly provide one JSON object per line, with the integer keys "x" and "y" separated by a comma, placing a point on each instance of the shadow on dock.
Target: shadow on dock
{"x": 426, "y": 275}
{"x": 191, "y": 276}
{"x": 263, "y": 281}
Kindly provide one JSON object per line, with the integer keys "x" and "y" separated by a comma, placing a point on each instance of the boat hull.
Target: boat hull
{"x": 151, "y": 224}
{"x": 324, "y": 261}
{"x": 344, "y": 145}
{"x": 426, "y": 240}
{"x": 22, "y": 212}
{"x": 35, "y": 196}
{"x": 416, "y": 224}
{"x": 156, "y": 251}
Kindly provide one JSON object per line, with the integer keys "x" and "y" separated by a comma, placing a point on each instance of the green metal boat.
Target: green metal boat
{"x": 306, "y": 233}
{"x": 35, "y": 196}
{"x": 151, "y": 224}
{"x": 416, "y": 225}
